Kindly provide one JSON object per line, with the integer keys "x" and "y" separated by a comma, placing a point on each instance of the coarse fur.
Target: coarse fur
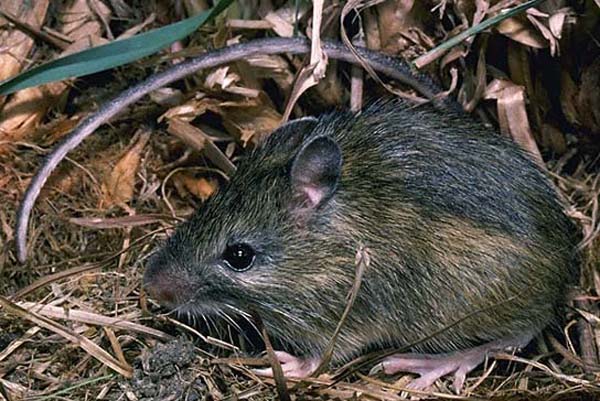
{"x": 459, "y": 222}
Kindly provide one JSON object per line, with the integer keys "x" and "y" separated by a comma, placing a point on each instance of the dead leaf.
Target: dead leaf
{"x": 117, "y": 222}
{"x": 371, "y": 29}
{"x": 19, "y": 43}
{"x": 85, "y": 32}
{"x": 248, "y": 24}
{"x": 512, "y": 115}
{"x": 26, "y": 109}
{"x": 272, "y": 67}
{"x": 557, "y": 21}
{"x": 76, "y": 22}
{"x": 167, "y": 97}
{"x": 55, "y": 130}
{"x": 480, "y": 80}
{"x": 220, "y": 77}
{"x": 546, "y": 33}
{"x": 197, "y": 139}
{"x": 227, "y": 81}
{"x": 119, "y": 185}
{"x": 522, "y": 32}
{"x": 399, "y": 23}
{"x": 356, "y": 5}
{"x": 282, "y": 20}
{"x": 311, "y": 74}
{"x": 192, "y": 109}
{"x": 305, "y": 79}
{"x": 202, "y": 188}
{"x": 280, "y": 26}
{"x": 251, "y": 124}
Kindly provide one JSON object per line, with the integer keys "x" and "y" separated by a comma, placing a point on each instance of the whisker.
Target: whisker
{"x": 230, "y": 320}
{"x": 244, "y": 315}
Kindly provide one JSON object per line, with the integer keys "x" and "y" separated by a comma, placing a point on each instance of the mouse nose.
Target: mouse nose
{"x": 162, "y": 283}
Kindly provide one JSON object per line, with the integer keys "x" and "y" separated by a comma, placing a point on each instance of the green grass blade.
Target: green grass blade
{"x": 111, "y": 54}
{"x": 442, "y": 48}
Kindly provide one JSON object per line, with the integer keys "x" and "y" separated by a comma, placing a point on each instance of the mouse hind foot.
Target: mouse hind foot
{"x": 431, "y": 367}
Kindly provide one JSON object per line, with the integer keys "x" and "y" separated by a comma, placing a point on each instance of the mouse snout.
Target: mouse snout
{"x": 163, "y": 284}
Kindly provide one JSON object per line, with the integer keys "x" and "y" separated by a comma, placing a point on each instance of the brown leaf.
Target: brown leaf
{"x": 167, "y": 97}
{"x": 220, "y": 77}
{"x": 311, "y": 74}
{"x": 557, "y": 21}
{"x": 227, "y": 81}
{"x": 117, "y": 222}
{"x": 480, "y": 80}
{"x": 512, "y": 114}
{"x": 272, "y": 67}
{"x": 282, "y": 20}
{"x": 202, "y": 188}
{"x": 522, "y": 32}
{"x": 19, "y": 43}
{"x": 119, "y": 185}
{"x": 280, "y": 26}
{"x": 398, "y": 23}
{"x": 192, "y": 109}
{"x": 25, "y": 109}
{"x": 248, "y": 24}
{"x": 546, "y": 33}
{"x": 251, "y": 124}
{"x": 76, "y": 21}
{"x": 56, "y": 129}
{"x": 197, "y": 139}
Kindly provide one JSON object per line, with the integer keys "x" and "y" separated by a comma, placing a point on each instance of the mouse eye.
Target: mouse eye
{"x": 239, "y": 257}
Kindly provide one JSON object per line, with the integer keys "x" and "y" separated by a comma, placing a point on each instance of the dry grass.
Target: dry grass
{"x": 73, "y": 322}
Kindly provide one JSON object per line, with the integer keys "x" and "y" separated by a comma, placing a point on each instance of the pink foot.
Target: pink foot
{"x": 292, "y": 366}
{"x": 432, "y": 367}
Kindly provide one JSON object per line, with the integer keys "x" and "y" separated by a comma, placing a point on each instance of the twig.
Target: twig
{"x": 60, "y": 43}
{"x": 280, "y": 381}
{"x": 362, "y": 262}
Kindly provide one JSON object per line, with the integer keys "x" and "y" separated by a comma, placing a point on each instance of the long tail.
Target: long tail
{"x": 394, "y": 68}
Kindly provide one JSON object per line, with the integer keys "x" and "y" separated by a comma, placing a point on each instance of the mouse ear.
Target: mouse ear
{"x": 316, "y": 171}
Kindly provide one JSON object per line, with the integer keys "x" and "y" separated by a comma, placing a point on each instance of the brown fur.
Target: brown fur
{"x": 459, "y": 221}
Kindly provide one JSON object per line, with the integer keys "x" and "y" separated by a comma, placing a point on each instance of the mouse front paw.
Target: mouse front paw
{"x": 292, "y": 366}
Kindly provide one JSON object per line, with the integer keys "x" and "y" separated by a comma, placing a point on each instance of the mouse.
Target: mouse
{"x": 469, "y": 245}
{"x": 466, "y": 234}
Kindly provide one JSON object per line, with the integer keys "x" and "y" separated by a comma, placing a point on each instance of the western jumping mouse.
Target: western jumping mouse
{"x": 459, "y": 222}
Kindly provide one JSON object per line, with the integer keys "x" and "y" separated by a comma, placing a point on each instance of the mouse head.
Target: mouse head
{"x": 265, "y": 242}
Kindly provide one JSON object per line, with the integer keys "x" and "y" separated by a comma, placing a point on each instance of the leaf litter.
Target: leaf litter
{"x": 74, "y": 321}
